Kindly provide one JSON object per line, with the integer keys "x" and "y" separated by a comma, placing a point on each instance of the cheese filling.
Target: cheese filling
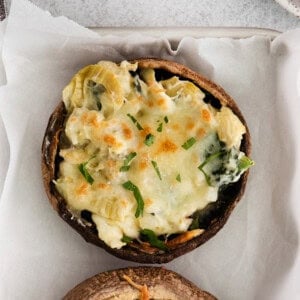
{"x": 131, "y": 134}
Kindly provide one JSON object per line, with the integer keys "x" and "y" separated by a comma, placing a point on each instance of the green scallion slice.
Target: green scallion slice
{"x": 128, "y": 185}
{"x": 189, "y": 143}
{"x": 245, "y": 163}
{"x": 124, "y": 168}
{"x": 85, "y": 173}
{"x": 127, "y": 160}
{"x": 149, "y": 140}
{"x": 160, "y": 127}
{"x": 155, "y": 166}
{"x": 135, "y": 122}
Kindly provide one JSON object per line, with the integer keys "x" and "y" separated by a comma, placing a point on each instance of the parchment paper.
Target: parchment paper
{"x": 255, "y": 256}
{"x": 4, "y": 147}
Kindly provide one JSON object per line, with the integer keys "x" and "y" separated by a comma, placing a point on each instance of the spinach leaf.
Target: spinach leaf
{"x": 154, "y": 241}
{"x": 126, "y": 239}
{"x": 221, "y": 165}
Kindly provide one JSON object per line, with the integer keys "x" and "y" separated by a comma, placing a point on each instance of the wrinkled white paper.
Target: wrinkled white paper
{"x": 255, "y": 256}
{"x": 4, "y": 147}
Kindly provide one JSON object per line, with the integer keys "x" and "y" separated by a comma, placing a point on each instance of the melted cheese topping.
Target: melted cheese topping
{"x": 112, "y": 113}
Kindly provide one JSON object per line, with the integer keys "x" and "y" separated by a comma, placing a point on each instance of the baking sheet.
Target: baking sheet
{"x": 255, "y": 256}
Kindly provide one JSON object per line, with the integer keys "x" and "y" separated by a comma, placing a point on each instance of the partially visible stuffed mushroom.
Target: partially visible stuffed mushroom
{"x": 146, "y": 159}
{"x": 143, "y": 283}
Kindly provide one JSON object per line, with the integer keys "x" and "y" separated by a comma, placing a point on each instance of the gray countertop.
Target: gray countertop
{"x": 127, "y": 13}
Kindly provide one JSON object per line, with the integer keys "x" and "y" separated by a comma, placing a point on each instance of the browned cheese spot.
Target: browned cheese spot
{"x": 148, "y": 201}
{"x": 126, "y": 131}
{"x": 205, "y": 115}
{"x": 167, "y": 146}
{"x": 201, "y": 132}
{"x": 190, "y": 124}
{"x": 144, "y": 161}
{"x": 102, "y": 185}
{"x": 82, "y": 189}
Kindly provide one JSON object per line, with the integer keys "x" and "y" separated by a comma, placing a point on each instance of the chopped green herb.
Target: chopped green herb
{"x": 149, "y": 140}
{"x": 85, "y": 173}
{"x": 128, "y": 185}
{"x": 189, "y": 143}
{"x": 245, "y": 163}
{"x": 160, "y": 127}
{"x": 153, "y": 239}
{"x": 127, "y": 160}
{"x": 135, "y": 122}
{"x": 154, "y": 164}
{"x": 166, "y": 119}
{"x": 178, "y": 178}
{"x": 126, "y": 239}
{"x": 124, "y": 168}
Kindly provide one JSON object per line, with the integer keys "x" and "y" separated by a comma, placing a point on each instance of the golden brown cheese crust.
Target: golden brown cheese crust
{"x": 134, "y": 251}
{"x": 159, "y": 281}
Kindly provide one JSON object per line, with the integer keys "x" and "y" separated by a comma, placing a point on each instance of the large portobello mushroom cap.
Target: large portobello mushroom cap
{"x": 213, "y": 217}
{"x": 160, "y": 283}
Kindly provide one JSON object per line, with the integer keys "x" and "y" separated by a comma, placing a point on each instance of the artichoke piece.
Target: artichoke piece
{"x": 81, "y": 90}
{"x": 176, "y": 88}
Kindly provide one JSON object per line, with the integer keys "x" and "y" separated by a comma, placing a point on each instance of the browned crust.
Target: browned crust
{"x": 89, "y": 231}
{"x": 111, "y": 283}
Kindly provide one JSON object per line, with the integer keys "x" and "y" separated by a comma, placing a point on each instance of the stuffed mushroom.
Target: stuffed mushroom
{"x": 146, "y": 158}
